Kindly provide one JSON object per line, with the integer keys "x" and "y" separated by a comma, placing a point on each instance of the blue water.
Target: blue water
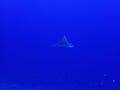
{"x": 30, "y": 28}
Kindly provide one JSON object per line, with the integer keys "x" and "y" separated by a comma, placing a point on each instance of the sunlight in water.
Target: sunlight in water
{"x": 20, "y": 87}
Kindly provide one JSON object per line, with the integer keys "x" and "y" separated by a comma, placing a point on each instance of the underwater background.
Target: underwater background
{"x": 30, "y": 28}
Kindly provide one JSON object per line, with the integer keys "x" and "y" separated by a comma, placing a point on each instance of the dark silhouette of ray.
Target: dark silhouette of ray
{"x": 64, "y": 43}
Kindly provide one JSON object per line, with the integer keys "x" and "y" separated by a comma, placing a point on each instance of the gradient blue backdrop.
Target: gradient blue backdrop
{"x": 29, "y": 28}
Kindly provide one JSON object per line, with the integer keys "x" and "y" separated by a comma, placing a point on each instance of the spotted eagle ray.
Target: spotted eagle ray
{"x": 64, "y": 43}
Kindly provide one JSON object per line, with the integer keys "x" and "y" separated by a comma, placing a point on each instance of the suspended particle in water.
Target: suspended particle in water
{"x": 113, "y": 81}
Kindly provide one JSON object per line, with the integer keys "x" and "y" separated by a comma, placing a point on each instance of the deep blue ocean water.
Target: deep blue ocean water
{"x": 30, "y": 28}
